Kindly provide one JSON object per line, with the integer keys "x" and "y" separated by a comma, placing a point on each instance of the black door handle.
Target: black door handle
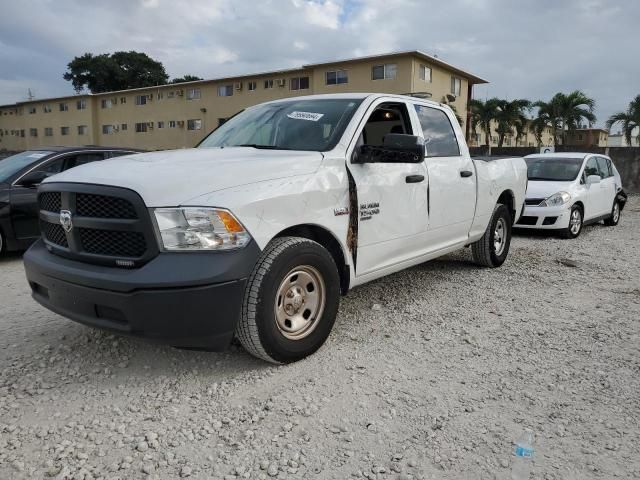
{"x": 465, "y": 173}
{"x": 414, "y": 178}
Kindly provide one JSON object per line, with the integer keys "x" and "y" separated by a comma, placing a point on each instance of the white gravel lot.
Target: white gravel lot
{"x": 429, "y": 373}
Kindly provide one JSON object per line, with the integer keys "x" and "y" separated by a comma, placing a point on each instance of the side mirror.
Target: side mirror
{"x": 593, "y": 179}
{"x": 34, "y": 178}
{"x": 396, "y": 148}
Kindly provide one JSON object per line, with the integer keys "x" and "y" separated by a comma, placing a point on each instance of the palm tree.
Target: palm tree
{"x": 630, "y": 120}
{"x": 509, "y": 114}
{"x": 482, "y": 113}
{"x": 563, "y": 114}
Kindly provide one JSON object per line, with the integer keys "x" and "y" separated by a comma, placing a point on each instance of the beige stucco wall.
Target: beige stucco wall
{"x": 209, "y": 108}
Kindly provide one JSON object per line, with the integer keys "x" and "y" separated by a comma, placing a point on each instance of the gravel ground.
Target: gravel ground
{"x": 429, "y": 373}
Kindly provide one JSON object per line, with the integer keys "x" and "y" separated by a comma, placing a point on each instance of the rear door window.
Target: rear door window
{"x": 82, "y": 158}
{"x": 438, "y": 132}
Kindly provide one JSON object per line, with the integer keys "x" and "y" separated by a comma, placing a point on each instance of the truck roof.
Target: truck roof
{"x": 355, "y": 96}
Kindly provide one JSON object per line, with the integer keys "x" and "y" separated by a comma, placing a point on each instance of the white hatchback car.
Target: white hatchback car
{"x": 569, "y": 190}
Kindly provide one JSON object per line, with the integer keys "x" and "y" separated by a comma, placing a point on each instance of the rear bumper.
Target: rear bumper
{"x": 546, "y": 218}
{"x": 200, "y": 315}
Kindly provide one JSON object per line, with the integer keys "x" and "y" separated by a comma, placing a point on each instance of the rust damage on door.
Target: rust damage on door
{"x": 352, "y": 231}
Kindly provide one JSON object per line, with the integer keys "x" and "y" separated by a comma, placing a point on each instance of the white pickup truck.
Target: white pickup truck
{"x": 258, "y": 231}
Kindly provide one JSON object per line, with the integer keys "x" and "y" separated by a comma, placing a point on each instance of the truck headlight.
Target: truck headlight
{"x": 199, "y": 228}
{"x": 556, "y": 200}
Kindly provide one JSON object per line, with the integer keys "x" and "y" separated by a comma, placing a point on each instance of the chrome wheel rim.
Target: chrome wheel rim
{"x": 500, "y": 236}
{"x": 299, "y": 302}
{"x": 576, "y": 221}
{"x": 616, "y": 212}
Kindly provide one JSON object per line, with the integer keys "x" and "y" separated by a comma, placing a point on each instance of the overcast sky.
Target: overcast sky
{"x": 525, "y": 48}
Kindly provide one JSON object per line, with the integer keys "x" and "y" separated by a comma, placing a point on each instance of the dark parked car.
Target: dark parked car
{"x": 20, "y": 176}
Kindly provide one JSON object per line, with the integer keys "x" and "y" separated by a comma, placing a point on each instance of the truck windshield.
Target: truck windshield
{"x": 553, "y": 169}
{"x": 312, "y": 125}
{"x": 13, "y": 164}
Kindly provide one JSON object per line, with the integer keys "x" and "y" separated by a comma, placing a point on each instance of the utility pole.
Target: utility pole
{"x": 30, "y": 94}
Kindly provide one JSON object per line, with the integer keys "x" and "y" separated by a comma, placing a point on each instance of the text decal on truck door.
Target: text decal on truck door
{"x": 368, "y": 210}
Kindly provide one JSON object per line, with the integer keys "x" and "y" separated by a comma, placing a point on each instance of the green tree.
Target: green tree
{"x": 563, "y": 113}
{"x": 630, "y": 120}
{"x": 510, "y": 116}
{"x": 186, "y": 78}
{"x": 482, "y": 113}
{"x": 117, "y": 71}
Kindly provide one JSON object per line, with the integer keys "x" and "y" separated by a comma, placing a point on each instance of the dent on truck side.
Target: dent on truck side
{"x": 270, "y": 207}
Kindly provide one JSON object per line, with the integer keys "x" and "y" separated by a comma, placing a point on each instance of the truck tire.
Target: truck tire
{"x": 576, "y": 219}
{"x": 291, "y": 301}
{"x": 613, "y": 220}
{"x": 492, "y": 249}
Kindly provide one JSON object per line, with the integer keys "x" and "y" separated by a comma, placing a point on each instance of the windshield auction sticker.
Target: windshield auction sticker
{"x": 312, "y": 117}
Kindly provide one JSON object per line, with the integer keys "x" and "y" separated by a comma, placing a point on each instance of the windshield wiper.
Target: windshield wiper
{"x": 262, "y": 147}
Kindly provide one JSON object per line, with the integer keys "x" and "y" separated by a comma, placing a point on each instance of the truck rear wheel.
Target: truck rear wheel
{"x": 492, "y": 249}
{"x": 290, "y": 302}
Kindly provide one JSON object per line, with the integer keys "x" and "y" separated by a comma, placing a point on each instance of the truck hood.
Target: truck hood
{"x": 172, "y": 178}
{"x": 540, "y": 189}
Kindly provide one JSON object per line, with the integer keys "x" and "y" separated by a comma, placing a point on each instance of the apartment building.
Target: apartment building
{"x": 180, "y": 115}
{"x": 588, "y": 137}
{"x": 527, "y": 139}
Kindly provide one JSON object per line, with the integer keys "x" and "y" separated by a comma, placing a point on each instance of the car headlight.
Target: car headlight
{"x": 556, "y": 200}
{"x": 199, "y": 228}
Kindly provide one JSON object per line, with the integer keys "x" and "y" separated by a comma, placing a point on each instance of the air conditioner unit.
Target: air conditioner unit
{"x": 180, "y": 123}
{"x": 115, "y": 128}
{"x": 281, "y": 82}
{"x": 180, "y": 93}
{"x": 238, "y": 85}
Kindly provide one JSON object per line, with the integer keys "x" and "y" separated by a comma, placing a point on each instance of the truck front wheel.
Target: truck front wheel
{"x": 492, "y": 249}
{"x": 290, "y": 302}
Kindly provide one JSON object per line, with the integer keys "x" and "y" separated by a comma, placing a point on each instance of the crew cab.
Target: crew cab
{"x": 258, "y": 231}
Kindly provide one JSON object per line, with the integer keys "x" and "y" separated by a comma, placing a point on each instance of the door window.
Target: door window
{"x": 386, "y": 118}
{"x": 52, "y": 167}
{"x": 591, "y": 168}
{"x": 82, "y": 158}
{"x": 438, "y": 132}
{"x": 603, "y": 168}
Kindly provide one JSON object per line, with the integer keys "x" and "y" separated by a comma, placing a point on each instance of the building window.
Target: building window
{"x": 268, "y": 84}
{"x": 384, "y": 72}
{"x": 299, "y": 83}
{"x": 494, "y": 139}
{"x": 141, "y": 100}
{"x": 193, "y": 94}
{"x": 46, "y": 109}
{"x": 336, "y": 77}
{"x": 48, "y": 132}
{"x": 106, "y": 103}
{"x": 160, "y": 124}
{"x": 22, "y": 133}
{"x": 64, "y": 107}
{"x": 141, "y": 127}
{"x": 123, "y": 100}
{"x": 32, "y": 109}
{"x": 33, "y": 132}
{"x": 225, "y": 90}
{"x": 81, "y": 104}
{"x": 172, "y": 124}
{"x": 425, "y": 73}
{"x": 456, "y": 86}
{"x": 123, "y": 127}
{"x": 64, "y": 130}
{"x": 251, "y": 86}
{"x": 82, "y": 129}
{"x": 195, "y": 124}
{"x": 107, "y": 129}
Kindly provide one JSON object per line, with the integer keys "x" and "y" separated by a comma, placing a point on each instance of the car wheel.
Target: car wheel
{"x": 291, "y": 301}
{"x": 613, "y": 220}
{"x": 575, "y": 223}
{"x": 492, "y": 249}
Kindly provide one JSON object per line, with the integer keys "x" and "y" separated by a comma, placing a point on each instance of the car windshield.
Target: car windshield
{"x": 312, "y": 125}
{"x": 553, "y": 169}
{"x": 13, "y": 164}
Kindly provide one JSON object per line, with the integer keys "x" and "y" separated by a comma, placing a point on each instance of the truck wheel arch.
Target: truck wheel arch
{"x": 325, "y": 238}
{"x": 508, "y": 199}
